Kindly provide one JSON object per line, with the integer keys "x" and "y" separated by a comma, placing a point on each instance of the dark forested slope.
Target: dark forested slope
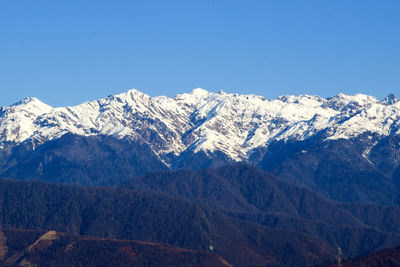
{"x": 74, "y": 159}
{"x": 341, "y": 169}
{"x": 248, "y": 193}
{"x": 39, "y": 248}
{"x": 149, "y": 216}
{"x": 389, "y": 257}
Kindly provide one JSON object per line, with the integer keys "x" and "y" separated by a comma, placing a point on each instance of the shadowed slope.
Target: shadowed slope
{"x": 155, "y": 217}
{"x": 38, "y": 248}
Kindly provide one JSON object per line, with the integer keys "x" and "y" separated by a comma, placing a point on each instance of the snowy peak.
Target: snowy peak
{"x": 130, "y": 97}
{"x": 25, "y": 101}
{"x": 345, "y": 102}
{"x": 390, "y": 99}
{"x": 199, "y": 92}
{"x": 17, "y": 121}
{"x": 234, "y": 124}
{"x": 301, "y": 99}
{"x": 31, "y": 104}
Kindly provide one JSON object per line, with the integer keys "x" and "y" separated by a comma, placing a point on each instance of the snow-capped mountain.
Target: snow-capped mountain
{"x": 203, "y": 121}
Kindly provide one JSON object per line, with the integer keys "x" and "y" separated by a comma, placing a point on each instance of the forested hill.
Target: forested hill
{"x": 248, "y": 193}
{"x": 38, "y": 248}
{"x": 156, "y": 217}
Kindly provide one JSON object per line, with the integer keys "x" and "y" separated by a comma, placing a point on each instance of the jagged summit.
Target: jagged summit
{"x": 17, "y": 121}
{"x": 234, "y": 124}
{"x": 390, "y": 99}
{"x": 32, "y": 102}
{"x": 25, "y": 101}
{"x": 128, "y": 96}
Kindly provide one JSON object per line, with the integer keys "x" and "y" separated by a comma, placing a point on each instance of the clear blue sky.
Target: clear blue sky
{"x": 67, "y": 52}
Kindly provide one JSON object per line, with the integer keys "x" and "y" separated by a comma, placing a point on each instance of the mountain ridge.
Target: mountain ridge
{"x": 237, "y": 125}
{"x": 119, "y": 213}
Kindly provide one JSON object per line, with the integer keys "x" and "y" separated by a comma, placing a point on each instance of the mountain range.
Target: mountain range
{"x": 279, "y": 182}
{"x": 236, "y": 125}
{"x": 344, "y": 147}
